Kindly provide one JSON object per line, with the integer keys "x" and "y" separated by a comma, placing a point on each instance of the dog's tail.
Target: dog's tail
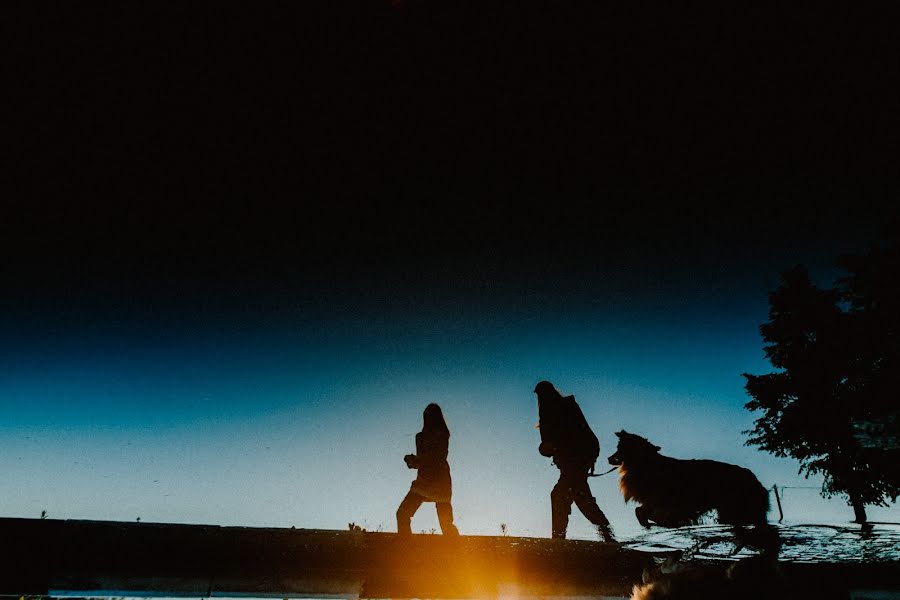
{"x": 763, "y": 536}
{"x": 745, "y": 500}
{"x": 760, "y": 503}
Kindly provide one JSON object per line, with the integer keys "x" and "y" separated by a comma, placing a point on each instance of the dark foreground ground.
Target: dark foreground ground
{"x": 41, "y": 557}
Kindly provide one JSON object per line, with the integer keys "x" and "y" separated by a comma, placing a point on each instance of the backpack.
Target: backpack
{"x": 590, "y": 442}
{"x": 577, "y": 438}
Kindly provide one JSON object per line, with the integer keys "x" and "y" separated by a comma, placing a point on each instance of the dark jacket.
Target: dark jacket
{"x": 433, "y": 480}
{"x": 565, "y": 433}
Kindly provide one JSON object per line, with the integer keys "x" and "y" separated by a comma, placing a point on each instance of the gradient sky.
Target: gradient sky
{"x": 243, "y": 247}
{"x": 261, "y": 389}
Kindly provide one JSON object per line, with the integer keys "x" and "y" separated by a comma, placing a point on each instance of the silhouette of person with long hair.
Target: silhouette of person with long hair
{"x": 567, "y": 438}
{"x": 432, "y": 483}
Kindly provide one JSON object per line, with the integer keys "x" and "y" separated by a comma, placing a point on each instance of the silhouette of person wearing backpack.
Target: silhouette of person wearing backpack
{"x": 567, "y": 438}
{"x": 432, "y": 483}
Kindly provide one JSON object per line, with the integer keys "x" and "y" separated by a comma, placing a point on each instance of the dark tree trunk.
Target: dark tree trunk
{"x": 859, "y": 510}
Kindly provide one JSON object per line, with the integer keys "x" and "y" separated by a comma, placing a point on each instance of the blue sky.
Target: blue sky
{"x": 295, "y": 408}
{"x": 241, "y": 254}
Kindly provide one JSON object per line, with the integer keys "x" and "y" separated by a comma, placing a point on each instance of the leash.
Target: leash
{"x": 604, "y": 473}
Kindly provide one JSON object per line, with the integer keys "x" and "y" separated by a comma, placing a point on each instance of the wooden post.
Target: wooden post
{"x": 778, "y": 500}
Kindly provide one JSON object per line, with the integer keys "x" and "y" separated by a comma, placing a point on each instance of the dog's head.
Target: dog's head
{"x": 631, "y": 447}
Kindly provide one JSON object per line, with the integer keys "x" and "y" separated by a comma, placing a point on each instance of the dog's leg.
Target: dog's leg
{"x": 739, "y": 539}
{"x": 643, "y": 515}
{"x": 762, "y": 537}
{"x": 688, "y": 554}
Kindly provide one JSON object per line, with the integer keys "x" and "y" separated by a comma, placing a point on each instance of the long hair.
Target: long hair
{"x": 433, "y": 419}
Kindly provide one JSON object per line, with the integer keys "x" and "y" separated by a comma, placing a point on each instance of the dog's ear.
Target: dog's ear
{"x": 620, "y": 433}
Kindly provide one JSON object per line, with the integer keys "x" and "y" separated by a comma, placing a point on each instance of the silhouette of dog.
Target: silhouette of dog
{"x": 675, "y": 493}
{"x": 747, "y": 579}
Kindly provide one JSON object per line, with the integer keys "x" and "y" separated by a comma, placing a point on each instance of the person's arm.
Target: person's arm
{"x": 412, "y": 460}
{"x": 549, "y": 431}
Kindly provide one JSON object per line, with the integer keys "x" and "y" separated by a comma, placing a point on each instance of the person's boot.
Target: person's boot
{"x": 606, "y": 534}
{"x": 588, "y": 506}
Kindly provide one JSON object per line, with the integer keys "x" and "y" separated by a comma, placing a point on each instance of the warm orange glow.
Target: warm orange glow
{"x": 504, "y": 568}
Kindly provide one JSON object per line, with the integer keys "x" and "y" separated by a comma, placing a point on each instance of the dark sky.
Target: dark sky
{"x": 235, "y": 137}
{"x": 219, "y": 221}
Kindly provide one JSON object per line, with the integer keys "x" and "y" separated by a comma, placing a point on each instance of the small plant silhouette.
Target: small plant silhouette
{"x": 503, "y": 529}
{"x": 43, "y": 514}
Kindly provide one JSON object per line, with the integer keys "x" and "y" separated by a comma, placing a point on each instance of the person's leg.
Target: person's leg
{"x": 445, "y": 518}
{"x": 406, "y": 510}
{"x": 587, "y": 504}
{"x": 560, "y": 507}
